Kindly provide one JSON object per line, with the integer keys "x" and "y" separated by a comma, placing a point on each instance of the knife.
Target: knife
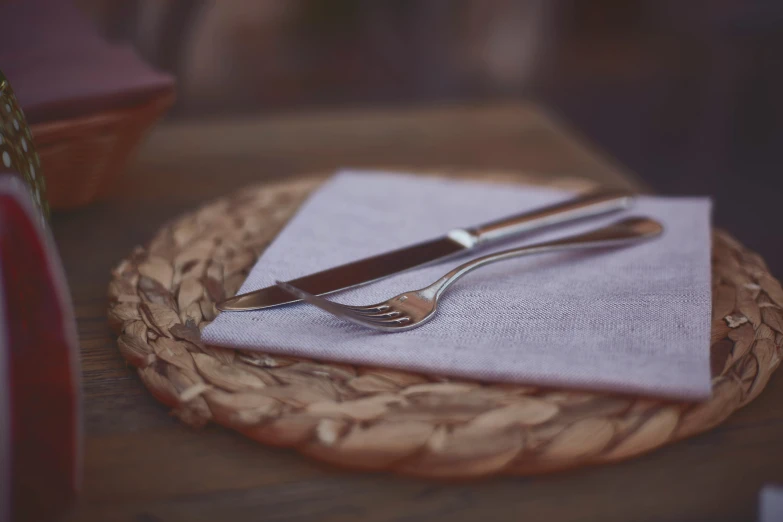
{"x": 456, "y": 242}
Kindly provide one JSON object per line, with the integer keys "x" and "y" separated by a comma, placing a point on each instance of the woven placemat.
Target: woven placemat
{"x": 374, "y": 418}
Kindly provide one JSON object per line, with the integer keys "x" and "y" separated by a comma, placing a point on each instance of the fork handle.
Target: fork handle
{"x": 620, "y": 233}
{"x": 590, "y": 205}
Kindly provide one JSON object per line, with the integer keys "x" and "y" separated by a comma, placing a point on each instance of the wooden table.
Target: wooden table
{"x": 142, "y": 465}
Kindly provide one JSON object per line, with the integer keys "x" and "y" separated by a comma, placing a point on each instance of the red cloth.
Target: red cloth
{"x": 40, "y": 370}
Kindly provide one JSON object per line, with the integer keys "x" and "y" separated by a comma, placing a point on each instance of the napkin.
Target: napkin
{"x": 60, "y": 67}
{"x": 771, "y": 503}
{"x": 633, "y": 319}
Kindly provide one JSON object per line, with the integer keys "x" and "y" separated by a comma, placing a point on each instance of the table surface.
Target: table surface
{"x": 143, "y": 465}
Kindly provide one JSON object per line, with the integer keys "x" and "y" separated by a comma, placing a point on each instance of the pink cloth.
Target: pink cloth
{"x": 59, "y": 67}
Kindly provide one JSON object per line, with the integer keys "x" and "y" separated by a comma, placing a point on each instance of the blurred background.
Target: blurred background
{"x": 684, "y": 94}
{"x": 673, "y": 97}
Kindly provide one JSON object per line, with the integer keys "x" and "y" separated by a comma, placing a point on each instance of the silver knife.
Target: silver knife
{"x": 456, "y": 242}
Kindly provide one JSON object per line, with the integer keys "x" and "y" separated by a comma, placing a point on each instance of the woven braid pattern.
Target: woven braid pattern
{"x": 380, "y": 419}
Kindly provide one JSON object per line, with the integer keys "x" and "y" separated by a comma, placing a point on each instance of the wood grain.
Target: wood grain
{"x": 142, "y": 465}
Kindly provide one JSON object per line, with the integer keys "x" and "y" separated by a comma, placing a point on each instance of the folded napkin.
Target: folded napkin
{"x": 635, "y": 319}
{"x": 60, "y": 67}
{"x": 771, "y": 503}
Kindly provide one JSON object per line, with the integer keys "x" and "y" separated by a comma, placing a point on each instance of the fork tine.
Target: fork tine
{"x": 381, "y": 315}
{"x": 343, "y": 311}
{"x": 376, "y": 308}
{"x": 395, "y": 321}
{"x": 320, "y": 302}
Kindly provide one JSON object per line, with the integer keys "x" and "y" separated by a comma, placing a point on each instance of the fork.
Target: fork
{"x": 414, "y": 308}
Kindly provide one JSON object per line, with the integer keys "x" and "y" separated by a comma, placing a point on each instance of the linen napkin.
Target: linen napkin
{"x": 634, "y": 319}
{"x": 771, "y": 503}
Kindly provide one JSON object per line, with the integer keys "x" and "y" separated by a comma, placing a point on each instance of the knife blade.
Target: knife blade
{"x": 456, "y": 242}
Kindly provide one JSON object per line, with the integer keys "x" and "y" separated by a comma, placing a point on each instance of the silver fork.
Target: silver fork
{"x": 411, "y": 309}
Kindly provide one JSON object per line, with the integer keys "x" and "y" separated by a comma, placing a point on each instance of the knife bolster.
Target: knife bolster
{"x": 464, "y": 237}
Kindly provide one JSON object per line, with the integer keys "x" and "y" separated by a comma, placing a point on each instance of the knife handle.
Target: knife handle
{"x": 590, "y": 205}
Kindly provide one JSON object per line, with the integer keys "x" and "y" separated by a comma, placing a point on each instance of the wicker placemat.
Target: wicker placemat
{"x": 373, "y": 418}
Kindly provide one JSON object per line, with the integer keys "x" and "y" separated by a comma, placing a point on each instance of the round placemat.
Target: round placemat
{"x": 381, "y": 419}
